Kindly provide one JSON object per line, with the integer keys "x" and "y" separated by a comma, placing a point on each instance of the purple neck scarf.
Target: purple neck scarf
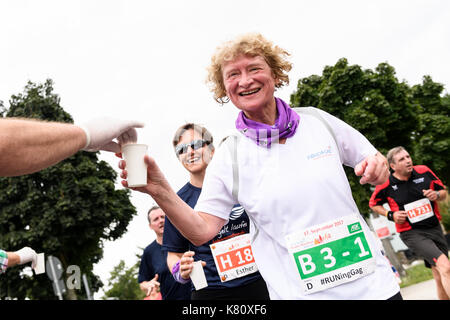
{"x": 263, "y": 134}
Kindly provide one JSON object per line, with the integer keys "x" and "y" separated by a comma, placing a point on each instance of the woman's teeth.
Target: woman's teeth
{"x": 246, "y": 93}
{"x": 192, "y": 160}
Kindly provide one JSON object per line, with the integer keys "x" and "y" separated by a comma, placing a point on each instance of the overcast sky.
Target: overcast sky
{"x": 147, "y": 60}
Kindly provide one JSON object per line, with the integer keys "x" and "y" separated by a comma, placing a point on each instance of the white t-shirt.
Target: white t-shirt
{"x": 291, "y": 187}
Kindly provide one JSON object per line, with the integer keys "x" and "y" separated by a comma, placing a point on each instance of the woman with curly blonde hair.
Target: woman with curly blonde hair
{"x": 285, "y": 168}
{"x": 251, "y": 45}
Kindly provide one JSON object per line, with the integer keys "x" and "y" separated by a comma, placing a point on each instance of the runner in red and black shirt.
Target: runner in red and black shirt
{"x": 412, "y": 193}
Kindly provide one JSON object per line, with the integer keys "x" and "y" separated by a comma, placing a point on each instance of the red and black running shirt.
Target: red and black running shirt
{"x": 397, "y": 193}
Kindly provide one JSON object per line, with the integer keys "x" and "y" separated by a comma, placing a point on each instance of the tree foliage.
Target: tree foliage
{"x": 66, "y": 210}
{"x": 387, "y": 111}
{"x": 124, "y": 283}
{"x": 432, "y": 135}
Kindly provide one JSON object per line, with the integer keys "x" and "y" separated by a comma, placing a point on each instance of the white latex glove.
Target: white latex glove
{"x": 101, "y": 132}
{"x": 26, "y": 254}
{"x": 127, "y": 137}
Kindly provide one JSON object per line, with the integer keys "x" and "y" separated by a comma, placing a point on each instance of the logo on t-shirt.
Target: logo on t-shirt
{"x": 237, "y": 225}
{"x": 321, "y": 154}
{"x": 236, "y": 212}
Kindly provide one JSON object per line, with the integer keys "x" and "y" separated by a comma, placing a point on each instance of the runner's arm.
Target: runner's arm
{"x": 380, "y": 210}
{"x": 173, "y": 258}
{"x": 197, "y": 227}
{"x": 398, "y": 216}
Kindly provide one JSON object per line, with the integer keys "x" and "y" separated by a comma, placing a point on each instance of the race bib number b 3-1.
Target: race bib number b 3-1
{"x": 331, "y": 254}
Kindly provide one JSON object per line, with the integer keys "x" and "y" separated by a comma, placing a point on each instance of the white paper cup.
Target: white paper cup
{"x": 136, "y": 167}
{"x": 198, "y": 276}
{"x": 40, "y": 263}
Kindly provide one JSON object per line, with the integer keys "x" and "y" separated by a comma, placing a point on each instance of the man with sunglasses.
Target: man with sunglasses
{"x": 228, "y": 277}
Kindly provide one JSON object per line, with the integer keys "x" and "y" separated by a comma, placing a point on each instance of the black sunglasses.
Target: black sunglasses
{"x": 195, "y": 144}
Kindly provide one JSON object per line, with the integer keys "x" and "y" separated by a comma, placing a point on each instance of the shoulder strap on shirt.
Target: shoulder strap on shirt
{"x": 313, "y": 112}
{"x": 232, "y": 142}
{"x": 232, "y": 147}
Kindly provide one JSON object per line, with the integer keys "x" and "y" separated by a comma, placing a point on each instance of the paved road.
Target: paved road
{"x": 425, "y": 290}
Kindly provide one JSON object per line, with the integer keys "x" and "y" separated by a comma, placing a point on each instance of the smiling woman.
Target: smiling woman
{"x": 189, "y": 142}
{"x": 250, "y": 85}
{"x": 251, "y": 45}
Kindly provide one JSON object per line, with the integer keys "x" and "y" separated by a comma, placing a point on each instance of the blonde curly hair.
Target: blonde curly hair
{"x": 252, "y": 44}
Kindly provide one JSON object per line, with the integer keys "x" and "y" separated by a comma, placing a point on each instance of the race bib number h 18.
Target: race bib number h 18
{"x": 234, "y": 257}
{"x": 331, "y": 254}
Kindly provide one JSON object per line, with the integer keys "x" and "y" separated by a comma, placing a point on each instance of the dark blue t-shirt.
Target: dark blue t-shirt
{"x": 154, "y": 261}
{"x": 175, "y": 242}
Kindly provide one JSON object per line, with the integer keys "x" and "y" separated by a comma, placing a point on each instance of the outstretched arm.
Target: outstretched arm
{"x": 27, "y": 146}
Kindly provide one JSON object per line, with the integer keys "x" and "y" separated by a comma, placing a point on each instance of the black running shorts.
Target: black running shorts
{"x": 427, "y": 243}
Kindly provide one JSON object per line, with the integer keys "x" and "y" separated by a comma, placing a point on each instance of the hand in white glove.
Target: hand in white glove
{"x": 101, "y": 132}
{"x": 26, "y": 254}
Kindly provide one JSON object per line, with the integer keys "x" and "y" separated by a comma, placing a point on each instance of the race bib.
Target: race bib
{"x": 330, "y": 254}
{"x": 419, "y": 210}
{"x": 234, "y": 257}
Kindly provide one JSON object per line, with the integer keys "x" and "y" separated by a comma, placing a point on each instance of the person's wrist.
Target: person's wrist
{"x": 13, "y": 259}
{"x": 438, "y": 195}
{"x": 390, "y": 215}
{"x": 88, "y": 136}
{"x": 177, "y": 273}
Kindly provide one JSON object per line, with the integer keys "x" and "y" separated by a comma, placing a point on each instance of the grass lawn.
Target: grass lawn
{"x": 416, "y": 274}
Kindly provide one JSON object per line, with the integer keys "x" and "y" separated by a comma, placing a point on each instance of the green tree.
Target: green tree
{"x": 432, "y": 135}
{"x": 372, "y": 101}
{"x": 124, "y": 283}
{"x": 66, "y": 210}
